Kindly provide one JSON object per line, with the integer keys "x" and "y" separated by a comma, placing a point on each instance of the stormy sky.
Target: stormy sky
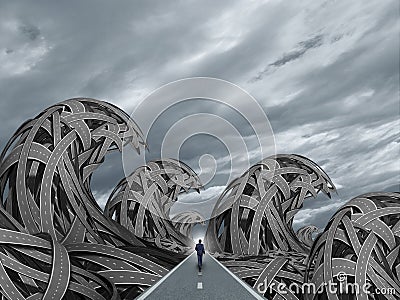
{"x": 326, "y": 74}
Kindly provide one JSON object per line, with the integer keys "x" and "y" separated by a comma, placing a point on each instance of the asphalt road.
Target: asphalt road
{"x": 185, "y": 282}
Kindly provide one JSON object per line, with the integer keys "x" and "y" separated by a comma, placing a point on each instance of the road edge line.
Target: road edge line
{"x": 152, "y": 288}
{"x": 242, "y": 283}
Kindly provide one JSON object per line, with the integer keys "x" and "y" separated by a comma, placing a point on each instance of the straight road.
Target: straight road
{"x": 215, "y": 282}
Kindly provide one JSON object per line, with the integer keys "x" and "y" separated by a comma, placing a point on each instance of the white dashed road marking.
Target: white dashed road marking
{"x": 199, "y": 285}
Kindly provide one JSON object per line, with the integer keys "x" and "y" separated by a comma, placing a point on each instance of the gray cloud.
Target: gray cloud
{"x": 31, "y": 32}
{"x": 328, "y": 75}
{"x": 302, "y": 48}
{"x": 305, "y": 46}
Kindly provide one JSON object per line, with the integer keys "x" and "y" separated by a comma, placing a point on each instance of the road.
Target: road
{"x": 215, "y": 282}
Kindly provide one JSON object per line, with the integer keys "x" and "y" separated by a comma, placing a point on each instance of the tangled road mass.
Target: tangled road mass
{"x": 57, "y": 243}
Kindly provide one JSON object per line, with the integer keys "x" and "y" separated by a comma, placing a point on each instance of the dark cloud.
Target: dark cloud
{"x": 31, "y": 32}
{"x": 301, "y": 49}
{"x": 303, "y": 46}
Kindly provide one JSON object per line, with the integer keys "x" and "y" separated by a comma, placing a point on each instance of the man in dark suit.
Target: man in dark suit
{"x": 200, "y": 251}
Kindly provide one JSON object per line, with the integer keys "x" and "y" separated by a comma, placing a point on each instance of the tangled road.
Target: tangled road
{"x": 57, "y": 243}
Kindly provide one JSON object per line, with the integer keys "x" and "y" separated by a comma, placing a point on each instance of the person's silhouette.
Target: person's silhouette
{"x": 200, "y": 251}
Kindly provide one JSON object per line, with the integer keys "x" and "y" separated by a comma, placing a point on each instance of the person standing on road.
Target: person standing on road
{"x": 200, "y": 252}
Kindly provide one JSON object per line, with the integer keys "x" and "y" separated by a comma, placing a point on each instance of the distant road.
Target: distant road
{"x": 184, "y": 282}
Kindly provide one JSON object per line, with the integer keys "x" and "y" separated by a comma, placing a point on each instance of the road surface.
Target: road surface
{"x": 185, "y": 282}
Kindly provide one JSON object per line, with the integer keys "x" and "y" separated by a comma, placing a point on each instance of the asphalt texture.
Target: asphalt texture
{"x": 216, "y": 282}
